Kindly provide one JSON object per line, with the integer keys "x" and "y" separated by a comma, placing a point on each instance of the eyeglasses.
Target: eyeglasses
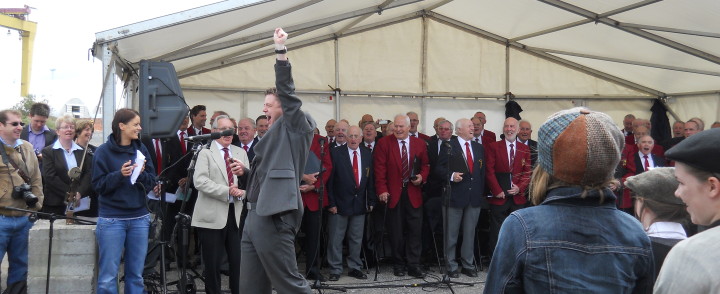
{"x": 16, "y": 123}
{"x": 225, "y": 129}
{"x": 68, "y": 127}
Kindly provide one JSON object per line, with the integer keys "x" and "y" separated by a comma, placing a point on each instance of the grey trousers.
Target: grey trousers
{"x": 465, "y": 219}
{"x": 340, "y": 226}
{"x": 268, "y": 254}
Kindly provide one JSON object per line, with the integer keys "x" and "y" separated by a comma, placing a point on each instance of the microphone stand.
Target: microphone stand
{"x": 183, "y": 220}
{"x": 321, "y": 190}
{"x": 51, "y": 217}
{"x": 447, "y": 192}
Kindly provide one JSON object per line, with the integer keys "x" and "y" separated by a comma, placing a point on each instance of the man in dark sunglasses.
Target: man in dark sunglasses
{"x": 37, "y": 133}
{"x": 21, "y": 168}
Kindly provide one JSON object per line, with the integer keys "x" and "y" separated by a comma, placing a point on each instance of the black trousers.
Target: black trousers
{"x": 404, "y": 224}
{"x": 216, "y": 243}
{"x": 311, "y": 227}
{"x": 498, "y": 214}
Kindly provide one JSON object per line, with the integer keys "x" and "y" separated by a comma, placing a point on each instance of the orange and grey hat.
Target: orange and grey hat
{"x": 579, "y": 146}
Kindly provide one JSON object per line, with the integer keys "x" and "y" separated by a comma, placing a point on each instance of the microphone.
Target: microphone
{"x": 211, "y": 136}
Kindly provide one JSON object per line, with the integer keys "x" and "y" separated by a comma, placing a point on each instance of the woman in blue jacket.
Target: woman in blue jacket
{"x": 124, "y": 220}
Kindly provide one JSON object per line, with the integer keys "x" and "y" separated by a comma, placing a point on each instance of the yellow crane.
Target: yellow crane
{"x": 16, "y": 19}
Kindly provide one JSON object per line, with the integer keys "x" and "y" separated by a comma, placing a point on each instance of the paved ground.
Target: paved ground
{"x": 386, "y": 281}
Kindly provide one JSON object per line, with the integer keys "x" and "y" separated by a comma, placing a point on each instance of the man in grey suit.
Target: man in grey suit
{"x": 273, "y": 196}
{"x": 217, "y": 210}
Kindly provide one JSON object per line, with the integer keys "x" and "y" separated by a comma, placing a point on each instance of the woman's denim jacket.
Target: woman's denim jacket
{"x": 572, "y": 244}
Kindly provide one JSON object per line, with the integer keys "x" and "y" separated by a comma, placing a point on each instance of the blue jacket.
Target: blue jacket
{"x": 342, "y": 192}
{"x": 471, "y": 190}
{"x": 117, "y": 197}
{"x": 572, "y": 244}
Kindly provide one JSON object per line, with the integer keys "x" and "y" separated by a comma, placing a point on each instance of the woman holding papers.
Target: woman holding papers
{"x": 122, "y": 177}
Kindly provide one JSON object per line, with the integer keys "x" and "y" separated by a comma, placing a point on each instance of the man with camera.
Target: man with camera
{"x": 19, "y": 177}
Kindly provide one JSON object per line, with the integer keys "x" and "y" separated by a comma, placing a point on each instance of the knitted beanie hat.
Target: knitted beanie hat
{"x": 658, "y": 184}
{"x": 579, "y": 146}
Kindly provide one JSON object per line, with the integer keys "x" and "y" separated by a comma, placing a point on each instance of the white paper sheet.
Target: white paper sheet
{"x": 169, "y": 197}
{"x": 84, "y": 204}
{"x": 140, "y": 161}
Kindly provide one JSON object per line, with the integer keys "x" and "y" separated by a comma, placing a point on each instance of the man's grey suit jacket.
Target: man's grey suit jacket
{"x": 273, "y": 185}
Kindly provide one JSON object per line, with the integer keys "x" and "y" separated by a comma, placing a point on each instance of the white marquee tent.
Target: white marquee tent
{"x": 435, "y": 57}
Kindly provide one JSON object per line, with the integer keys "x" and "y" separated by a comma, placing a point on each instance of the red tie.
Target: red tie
{"x": 647, "y": 162}
{"x": 355, "y": 169}
{"x": 468, "y": 154}
{"x": 158, "y": 156}
{"x": 227, "y": 166}
{"x": 512, "y": 157}
{"x": 369, "y": 146}
{"x": 246, "y": 148}
{"x": 405, "y": 163}
{"x": 182, "y": 142}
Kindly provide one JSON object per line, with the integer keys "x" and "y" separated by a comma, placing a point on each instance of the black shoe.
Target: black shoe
{"x": 416, "y": 272}
{"x": 316, "y": 276}
{"x": 469, "y": 272}
{"x": 333, "y": 277}
{"x": 399, "y": 272}
{"x": 454, "y": 274}
{"x": 357, "y": 274}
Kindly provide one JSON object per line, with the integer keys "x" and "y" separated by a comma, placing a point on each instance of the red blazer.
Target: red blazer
{"x": 488, "y": 137}
{"x": 388, "y": 169}
{"x": 310, "y": 199}
{"x": 423, "y": 136}
{"x": 191, "y": 131}
{"x": 497, "y": 161}
{"x": 630, "y": 150}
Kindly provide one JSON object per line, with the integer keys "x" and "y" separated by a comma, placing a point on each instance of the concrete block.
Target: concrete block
{"x": 74, "y": 256}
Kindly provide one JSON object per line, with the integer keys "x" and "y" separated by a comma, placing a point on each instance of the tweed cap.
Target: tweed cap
{"x": 701, "y": 151}
{"x": 658, "y": 184}
{"x": 579, "y": 146}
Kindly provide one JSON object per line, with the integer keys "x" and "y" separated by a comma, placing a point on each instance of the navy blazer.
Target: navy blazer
{"x": 251, "y": 149}
{"x": 469, "y": 191}
{"x": 658, "y": 161}
{"x": 342, "y": 193}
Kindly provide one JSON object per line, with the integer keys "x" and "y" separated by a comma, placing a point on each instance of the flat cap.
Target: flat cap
{"x": 701, "y": 151}
{"x": 658, "y": 184}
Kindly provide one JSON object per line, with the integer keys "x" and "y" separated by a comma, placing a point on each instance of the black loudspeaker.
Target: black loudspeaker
{"x": 162, "y": 105}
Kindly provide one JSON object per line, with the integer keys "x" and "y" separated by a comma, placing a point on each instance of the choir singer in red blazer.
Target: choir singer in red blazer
{"x": 401, "y": 167}
{"x": 500, "y": 154}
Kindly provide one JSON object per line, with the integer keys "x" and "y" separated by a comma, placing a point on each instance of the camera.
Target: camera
{"x": 383, "y": 121}
{"x": 24, "y": 192}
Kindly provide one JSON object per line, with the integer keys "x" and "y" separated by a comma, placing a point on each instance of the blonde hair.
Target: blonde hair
{"x": 542, "y": 181}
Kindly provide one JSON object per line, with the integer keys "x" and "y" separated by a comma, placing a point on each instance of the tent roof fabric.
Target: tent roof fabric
{"x": 649, "y": 48}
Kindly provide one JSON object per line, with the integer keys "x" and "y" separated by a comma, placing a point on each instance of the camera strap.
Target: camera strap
{"x": 7, "y": 159}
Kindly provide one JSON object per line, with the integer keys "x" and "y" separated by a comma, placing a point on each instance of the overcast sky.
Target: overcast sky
{"x": 62, "y": 66}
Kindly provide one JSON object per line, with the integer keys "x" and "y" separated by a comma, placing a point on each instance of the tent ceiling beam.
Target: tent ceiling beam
{"x": 635, "y": 31}
{"x": 547, "y": 56}
{"x": 585, "y": 21}
{"x": 235, "y": 59}
{"x": 315, "y": 24}
{"x": 493, "y": 96}
{"x": 625, "y": 61}
{"x": 171, "y": 20}
{"x": 670, "y": 30}
{"x": 250, "y": 24}
{"x": 696, "y": 93}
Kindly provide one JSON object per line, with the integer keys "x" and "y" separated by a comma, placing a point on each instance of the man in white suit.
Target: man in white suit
{"x": 218, "y": 171}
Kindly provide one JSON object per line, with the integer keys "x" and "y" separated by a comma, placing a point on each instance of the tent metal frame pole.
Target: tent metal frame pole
{"x": 546, "y": 56}
{"x": 670, "y": 30}
{"x": 108, "y": 95}
{"x": 313, "y": 25}
{"x": 175, "y": 19}
{"x": 625, "y": 61}
{"x": 337, "y": 80}
{"x": 507, "y": 68}
{"x": 458, "y": 96}
{"x": 252, "y": 23}
{"x": 696, "y": 93}
{"x": 635, "y": 31}
{"x": 585, "y": 21}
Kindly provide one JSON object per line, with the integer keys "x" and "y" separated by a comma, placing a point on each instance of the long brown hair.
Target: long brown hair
{"x": 123, "y": 115}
